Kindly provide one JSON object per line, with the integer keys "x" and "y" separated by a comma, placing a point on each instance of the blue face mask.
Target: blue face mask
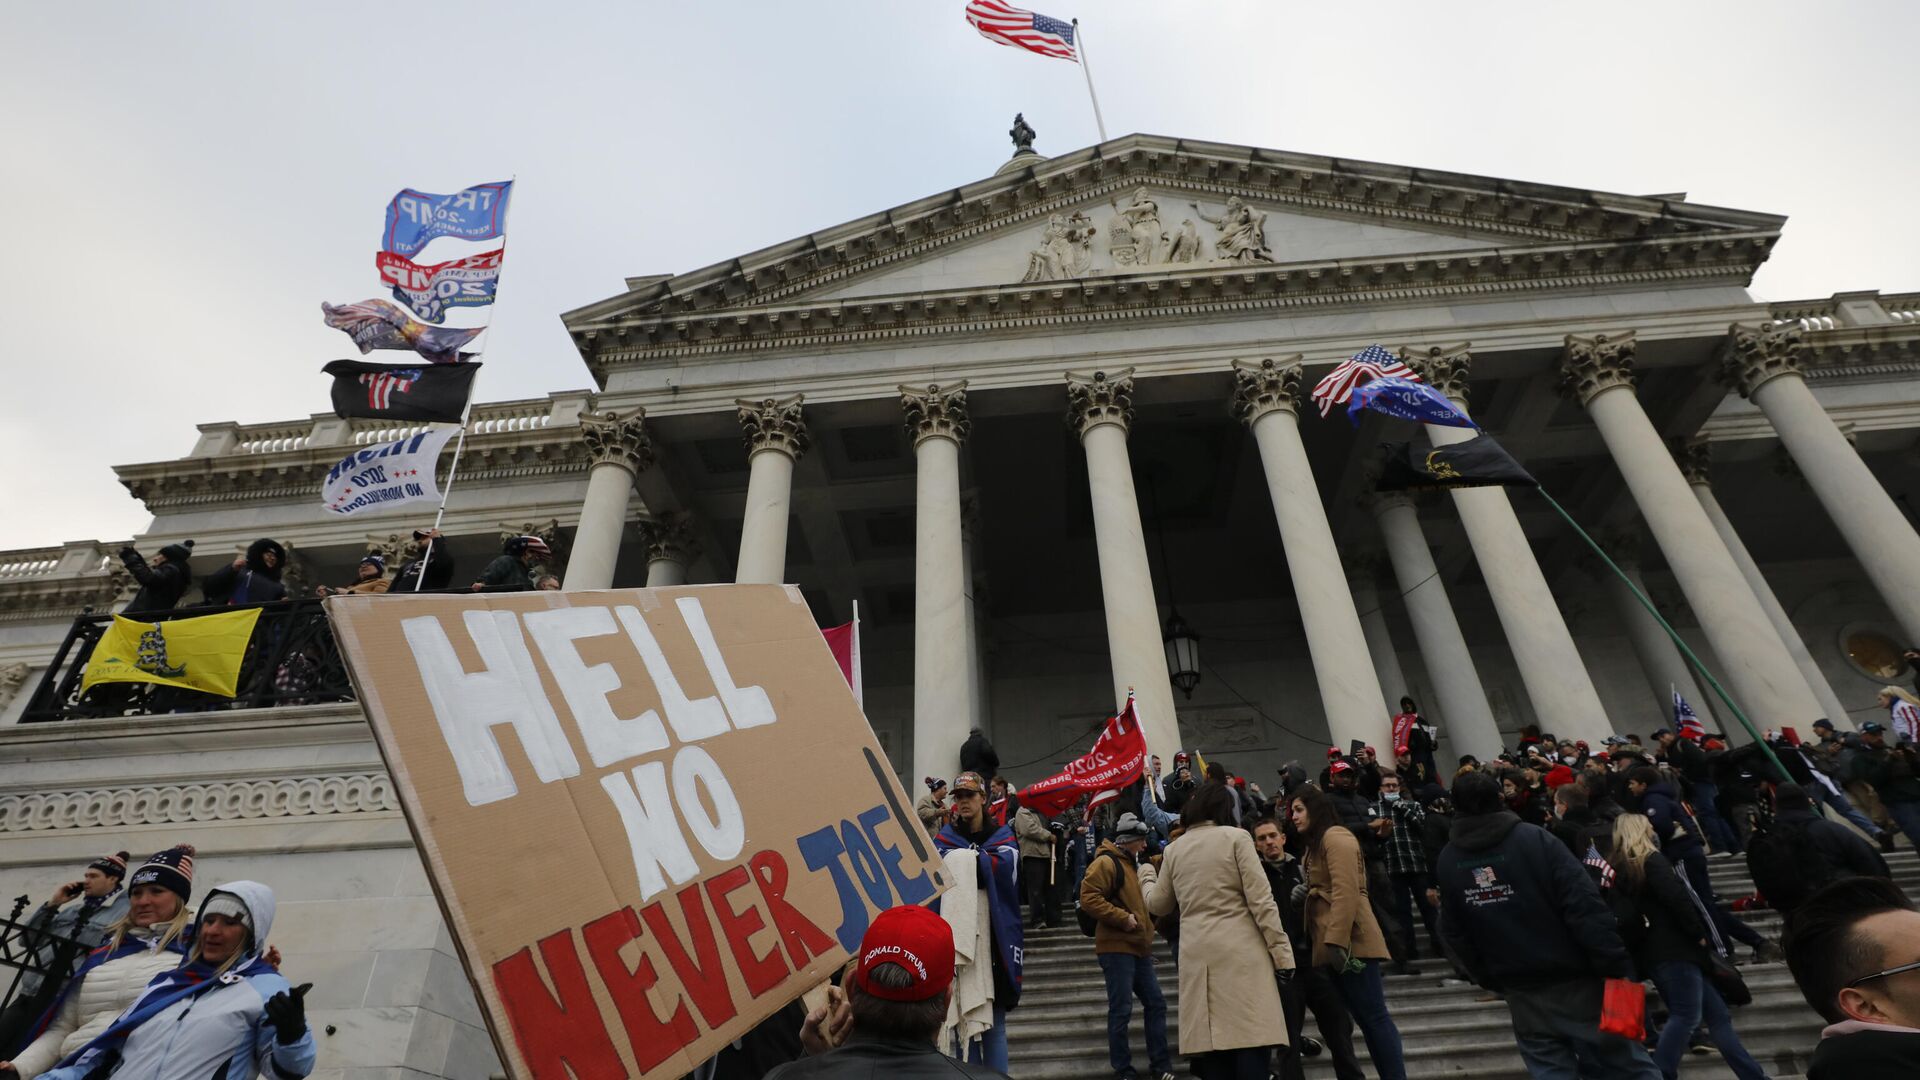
{"x": 1390, "y": 796}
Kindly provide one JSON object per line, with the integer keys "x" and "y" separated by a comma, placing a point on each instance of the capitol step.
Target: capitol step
{"x": 1447, "y": 1028}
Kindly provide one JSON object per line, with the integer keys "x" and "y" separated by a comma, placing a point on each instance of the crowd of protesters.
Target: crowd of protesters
{"x": 121, "y": 977}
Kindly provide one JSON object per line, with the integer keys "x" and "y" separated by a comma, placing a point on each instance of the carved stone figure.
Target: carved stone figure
{"x": 1186, "y": 243}
{"x": 1243, "y": 232}
{"x": 1137, "y": 239}
{"x": 1065, "y": 251}
{"x": 1022, "y": 134}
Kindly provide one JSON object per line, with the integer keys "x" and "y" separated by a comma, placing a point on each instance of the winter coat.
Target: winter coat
{"x": 371, "y": 587}
{"x": 257, "y": 584}
{"x": 1338, "y": 909}
{"x": 1231, "y": 939}
{"x": 1658, "y": 920}
{"x": 1109, "y": 893}
{"x": 977, "y": 755}
{"x": 1890, "y": 771}
{"x": 1852, "y": 1050}
{"x": 101, "y": 994}
{"x": 220, "y": 1032}
{"x": 1671, "y": 822}
{"x": 507, "y": 573}
{"x": 1843, "y": 850}
{"x": 1036, "y": 840}
{"x": 863, "y": 1057}
{"x": 1282, "y": 876}
{"x": 1519, "y": 911}
{"x": 1687, "y": 759}
{"x": 1582, "y": 828}
{"x": 74, "y": 922}
{"x": 1356, "y": 810}
{"x": 437, "y": 565}
{"x": 1178, "y": 792}
{"x": 160, "y": 586}
{"x": 932, "y": 813}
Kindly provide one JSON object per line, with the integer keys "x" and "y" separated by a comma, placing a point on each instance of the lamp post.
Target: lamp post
{"x": 1183, "y": 654}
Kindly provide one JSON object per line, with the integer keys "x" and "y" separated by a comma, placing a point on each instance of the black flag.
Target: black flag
{"x": 1475, "y": 462}
{"x": 436, "y": 392}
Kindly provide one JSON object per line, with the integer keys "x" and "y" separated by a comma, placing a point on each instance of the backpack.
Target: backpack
{"x": 1786, "y": 866}
{"x": 1088, "y": 924}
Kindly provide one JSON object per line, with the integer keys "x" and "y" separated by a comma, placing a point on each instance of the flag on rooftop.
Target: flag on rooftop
{"x": 1372, "y": 362}
{"x": 432, "y": 393}
{"x": 1685, "y": 723}
{"x": 1028, "y": 30}
{"x": 380, "y": 324}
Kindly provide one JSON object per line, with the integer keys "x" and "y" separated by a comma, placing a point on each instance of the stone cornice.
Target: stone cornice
{"x": 1176, "y": 293}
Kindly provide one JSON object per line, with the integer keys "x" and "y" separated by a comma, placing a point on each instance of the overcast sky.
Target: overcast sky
{"x": 185, "y": 183}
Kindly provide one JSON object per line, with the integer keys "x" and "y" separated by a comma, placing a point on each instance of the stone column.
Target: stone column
{"x": 621, "y": 450}
{"x": 1765, "y": 363}
{"x": 670, "y": 547}
{"x": 1666, "y": 669}
{"x": 1265, "y": 398}
{"x": 1696, "y": 464}
{"x": 942, "y": 677}
{"x": 1100, "y": 410}
{"x": 1758, "y": 672}
{"x": 1368, "y": 602}
{"x": 1463, "y": 713}
{"x": 1557, "y": 682}
{"x": 776, "y": 435}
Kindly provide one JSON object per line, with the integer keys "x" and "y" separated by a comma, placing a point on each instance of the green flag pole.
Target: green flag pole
{"x": 1685, "y": 651}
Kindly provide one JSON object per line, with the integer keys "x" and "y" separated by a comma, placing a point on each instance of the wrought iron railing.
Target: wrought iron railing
{"x": 26, "y": 952}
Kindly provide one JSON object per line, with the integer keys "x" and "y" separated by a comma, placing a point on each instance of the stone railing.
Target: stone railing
{"x": 28, "y": 563}
{"x": 81, "y": 557}
{"x": 322, "y": 430}
{"x": 1850, "y": 309}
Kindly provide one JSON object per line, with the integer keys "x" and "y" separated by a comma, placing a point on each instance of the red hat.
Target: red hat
{"x": 918, "y": 941}
{"x": 1559, "y": 776}
{"x": 1339, "y": 767}
{"x": 1603, "y": 756}
{"x": 1333, "y": 751}
{"x": 1371, "y": 750}
{"x": 1581, "y": 744}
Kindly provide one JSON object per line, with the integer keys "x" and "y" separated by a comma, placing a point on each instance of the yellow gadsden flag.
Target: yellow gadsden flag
{"x": 199, "y": 653}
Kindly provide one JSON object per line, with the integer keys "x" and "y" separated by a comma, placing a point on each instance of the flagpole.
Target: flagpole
{"x": 1685, "y": 650}
{"x": 1080, "y": 43}
{"x": 466, "y": 414}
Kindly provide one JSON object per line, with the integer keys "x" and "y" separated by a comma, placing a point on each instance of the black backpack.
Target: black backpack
{"x": 1786, "y": 866}
{"x": 1088, "y": 924}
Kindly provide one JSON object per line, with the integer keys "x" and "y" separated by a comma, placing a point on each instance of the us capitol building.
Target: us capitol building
{"x": 1050, "y": 431}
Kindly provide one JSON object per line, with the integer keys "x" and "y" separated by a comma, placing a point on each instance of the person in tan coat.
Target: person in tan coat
{"x": 1123, "y": 943}
{"x": 1232, "y": 940}
{"x": 932, "y": 807}
{"x": 1346, "y": 937}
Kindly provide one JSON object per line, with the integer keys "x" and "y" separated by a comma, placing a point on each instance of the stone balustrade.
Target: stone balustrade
{"x": 229, "y": 439}
{"x": 72, "y": 559}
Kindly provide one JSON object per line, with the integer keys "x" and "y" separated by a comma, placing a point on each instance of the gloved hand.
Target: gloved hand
{"x": 1298, "y": 896}
{"x": 1341, "y": 958}
{"x": 288, "y": 1015}
{"x": 1285, "y": 975}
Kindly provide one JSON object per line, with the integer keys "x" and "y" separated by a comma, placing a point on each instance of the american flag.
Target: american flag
{"x": 1370, "y": 363}
{"x": 1011, "y": 26}
{"x": 1599, "y": 862}
{"x": 382, "y": 387}
{"x": 1685, "y": 724}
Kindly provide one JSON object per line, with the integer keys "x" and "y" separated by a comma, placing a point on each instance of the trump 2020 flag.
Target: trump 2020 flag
{"x": 201, "y": 653}
{"x": 380, "y": 324}
{"x": 1406, "y": 400}
{"x": 1118, "y": 758}
{"x": 436, "y": 393}
{"x": 430, "y": 290}
{"x": 388, "y": 475}
{"x": 416, "y": 217}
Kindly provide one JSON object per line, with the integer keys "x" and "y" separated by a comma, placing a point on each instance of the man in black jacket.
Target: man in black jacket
{"x": 1687, "y": 759}
{"x": 977, "y": 755}
{"x": 432, "y": 570}
{"x": 252, "y": 578}
{"x": 1312, "y": 987}
{"x": 163, "y": 579}
{"x": 1523, "y": 917}
{"x": 1802, "y": 851}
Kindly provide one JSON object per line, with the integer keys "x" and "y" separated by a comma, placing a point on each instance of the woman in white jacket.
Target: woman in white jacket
{"x": 146, "y": 941}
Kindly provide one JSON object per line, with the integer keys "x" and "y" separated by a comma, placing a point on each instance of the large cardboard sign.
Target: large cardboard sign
{"x": 652, "y": 816}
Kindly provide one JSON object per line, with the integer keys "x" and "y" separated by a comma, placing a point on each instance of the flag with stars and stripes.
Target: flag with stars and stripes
{"x": 1685, "y": 723}
{"x": 1600, "y": 864}
{"x": 1033, "y": 32}
{"x": 1372, "y": 362}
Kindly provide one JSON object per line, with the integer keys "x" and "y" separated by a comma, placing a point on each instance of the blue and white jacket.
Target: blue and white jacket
{"x": 214, "y": 1029}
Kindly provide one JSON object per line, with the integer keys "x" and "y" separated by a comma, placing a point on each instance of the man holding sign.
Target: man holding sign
{"x": 645, "y": 735}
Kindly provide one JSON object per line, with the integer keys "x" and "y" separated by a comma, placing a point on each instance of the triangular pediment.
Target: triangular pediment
{"x": 1148, "y": 208}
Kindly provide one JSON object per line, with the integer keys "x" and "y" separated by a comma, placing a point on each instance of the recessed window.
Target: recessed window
{"x": 1873, "y": 652}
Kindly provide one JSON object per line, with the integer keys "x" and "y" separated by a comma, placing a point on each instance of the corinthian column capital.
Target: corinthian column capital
{"x": 1264, "y": 386}
{"x": 774, "y": 424}
{"x": 1098, "y": 399}
{"x": 936, "y": 412}
{"x": 669, "y": 536}
{"x": 1695, "y": 457}
{"x": 1445, "y": 368}
{"x": 1753, "y": 354}
{"x": 1590, "y": 365}
{"x": 619, "y": 440}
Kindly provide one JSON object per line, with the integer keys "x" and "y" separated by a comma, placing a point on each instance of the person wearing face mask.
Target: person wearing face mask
{"x": 224, "y": 1013}
{"x": 148, "y": 940}
{"x": 1407, "y": 860}
{"x": 101, "y": 904}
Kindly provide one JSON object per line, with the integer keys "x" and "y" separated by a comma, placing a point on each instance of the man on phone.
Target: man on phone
{"x": 54, "y": 923}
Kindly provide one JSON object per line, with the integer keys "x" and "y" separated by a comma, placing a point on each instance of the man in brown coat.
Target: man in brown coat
{"x": 1123, "y": 943}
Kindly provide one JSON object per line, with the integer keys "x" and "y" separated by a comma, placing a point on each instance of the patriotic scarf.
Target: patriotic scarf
{"x": 999, "y": 860}
{"x": 167, "y": 988}
{"x": 129, "y": 946}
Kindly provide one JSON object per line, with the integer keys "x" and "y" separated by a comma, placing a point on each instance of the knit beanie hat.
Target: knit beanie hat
{"x": 178, "y": 553}
{"x": 226, "y": 903}
{"x": 171, "y": 869}
{"x": 114, "y": 865}
{"x": 934, "y": 783}
{"x": 377, "y": 562}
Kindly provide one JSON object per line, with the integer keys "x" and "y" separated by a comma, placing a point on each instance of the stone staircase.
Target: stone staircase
{"x": 1059, "y": 1030}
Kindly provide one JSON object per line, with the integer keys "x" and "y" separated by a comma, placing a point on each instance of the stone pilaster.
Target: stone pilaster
{"x": 1590, "y": 366}
{"x": 936, "y": 412}
{"x": 1099, "y": 398}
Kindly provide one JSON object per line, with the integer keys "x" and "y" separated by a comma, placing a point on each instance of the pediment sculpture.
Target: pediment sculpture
{"x": 1065, "y": 251}
{"x": 1137, "y": 236}
{"x": 1243, "y": 232}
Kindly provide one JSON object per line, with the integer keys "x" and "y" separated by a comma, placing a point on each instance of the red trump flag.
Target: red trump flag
{"x": 1117, "y": 759}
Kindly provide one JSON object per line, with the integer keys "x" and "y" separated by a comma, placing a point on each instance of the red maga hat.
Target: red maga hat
{"x": 916, "y": 939}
